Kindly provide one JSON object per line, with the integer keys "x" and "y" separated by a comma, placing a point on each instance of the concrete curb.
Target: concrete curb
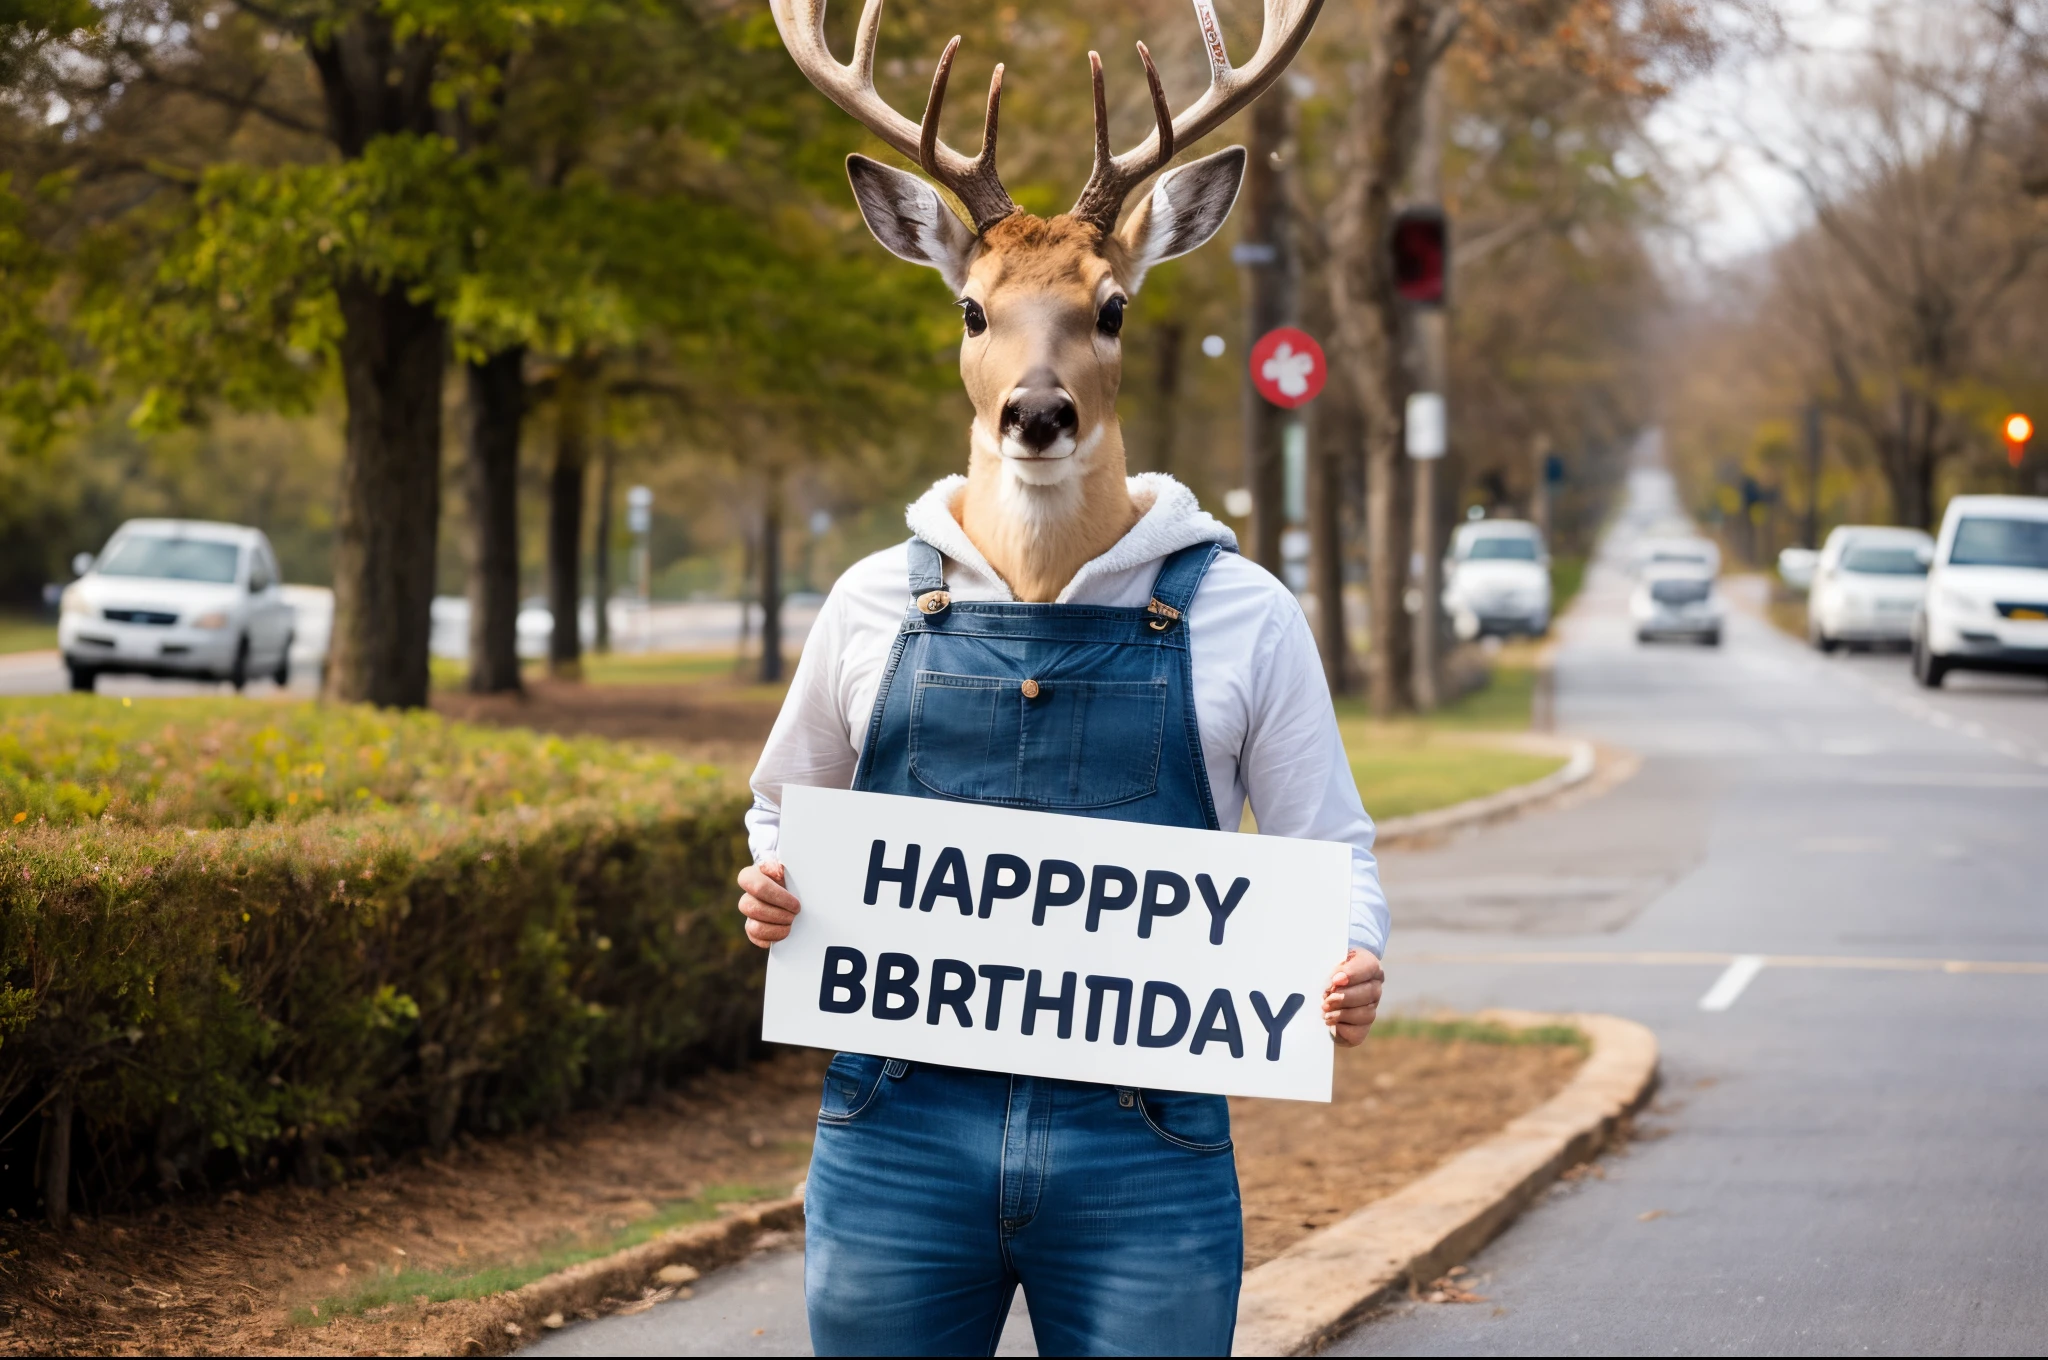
{"x": 1582, "y": 759}
{"x": 701, "y": 1246}
{"x": 1300, "y": 1300}
{"x": 26, "y": 661}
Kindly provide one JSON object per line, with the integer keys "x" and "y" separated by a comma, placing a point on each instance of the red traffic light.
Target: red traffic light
{"x": 2018, "y": 430}
{"x": 1421, "y": 249}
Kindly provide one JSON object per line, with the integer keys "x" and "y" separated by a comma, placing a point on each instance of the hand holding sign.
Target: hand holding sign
{"x": 1166, "y": 957}
{"x": 769, "y": 907}
{"x": 1354, "y": 998}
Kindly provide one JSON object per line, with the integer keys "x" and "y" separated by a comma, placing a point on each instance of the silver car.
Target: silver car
{"x": 1677, "y": 602}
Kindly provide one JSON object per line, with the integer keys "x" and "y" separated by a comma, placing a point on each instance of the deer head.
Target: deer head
{"x": 1042, "y": 299}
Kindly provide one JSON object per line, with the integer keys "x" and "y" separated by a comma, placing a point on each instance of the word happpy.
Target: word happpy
{"x": 1061, "y": 883}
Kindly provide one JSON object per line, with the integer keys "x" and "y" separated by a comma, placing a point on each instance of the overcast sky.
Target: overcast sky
{"x": 1734, "y": 200}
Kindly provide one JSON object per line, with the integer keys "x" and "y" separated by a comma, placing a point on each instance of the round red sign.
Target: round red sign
{"x": 1288, "y": 367}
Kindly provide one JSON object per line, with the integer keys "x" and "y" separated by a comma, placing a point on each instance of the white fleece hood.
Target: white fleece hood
{"x": 1169, "y": 519}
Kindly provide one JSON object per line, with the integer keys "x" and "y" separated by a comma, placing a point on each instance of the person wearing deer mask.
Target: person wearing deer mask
{"x": 1047, "y": 590}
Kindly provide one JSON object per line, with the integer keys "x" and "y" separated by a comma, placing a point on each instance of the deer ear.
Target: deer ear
{"x": 1185, "y": 208}
{"x": 910, "y": 220}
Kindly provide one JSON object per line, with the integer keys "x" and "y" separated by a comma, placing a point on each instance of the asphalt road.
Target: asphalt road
{"x": 692, "y": 627}
{"x": 1847, "y": 1152}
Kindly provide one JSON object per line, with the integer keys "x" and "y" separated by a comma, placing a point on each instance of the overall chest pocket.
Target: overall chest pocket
{"x": 1072, "y": 744}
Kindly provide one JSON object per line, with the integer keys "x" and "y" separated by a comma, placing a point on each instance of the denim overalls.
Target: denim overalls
{"x": 935, "y": 1191}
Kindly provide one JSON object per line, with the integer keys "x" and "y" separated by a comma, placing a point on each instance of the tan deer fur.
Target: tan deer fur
{"x": 1038, "y": 519}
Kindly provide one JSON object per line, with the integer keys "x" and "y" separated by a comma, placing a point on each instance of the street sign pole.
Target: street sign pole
{"x": 1427, "y": 440}
{"x": 1266, "y": 255}
{"x": 640, "y": 523}
{"x": 1422, "y": 255}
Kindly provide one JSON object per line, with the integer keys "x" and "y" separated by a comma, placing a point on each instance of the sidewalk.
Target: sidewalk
{"x": 754, "y": 1308}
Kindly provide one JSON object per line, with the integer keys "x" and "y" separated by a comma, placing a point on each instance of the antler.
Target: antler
{"x": 852, "y": 87}
{"x": 1230, "y": 89}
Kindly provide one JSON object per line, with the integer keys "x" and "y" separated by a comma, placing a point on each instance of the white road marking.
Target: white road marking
{"x": 1676, "y": 959}
{"x": 1842, "y": 845}
{"x": 1731, "y": 983}
{"x": 1937, "y": 780}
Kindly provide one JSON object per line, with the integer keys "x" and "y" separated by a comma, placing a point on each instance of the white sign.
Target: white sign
{"x": 1074, "y": 947}
{"x": 1427, "y": 433}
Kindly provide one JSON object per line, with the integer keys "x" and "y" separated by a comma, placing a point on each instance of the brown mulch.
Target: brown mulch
{"x": 226, "y": 1275}
{"x": 710, "y": 721}
{"x": 1400, "y": 1106}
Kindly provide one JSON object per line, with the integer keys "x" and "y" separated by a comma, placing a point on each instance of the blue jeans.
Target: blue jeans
{"x": 935, "y": 1191}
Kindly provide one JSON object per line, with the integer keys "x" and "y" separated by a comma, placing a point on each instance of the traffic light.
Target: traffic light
{"x": 1421, "y": 248}
{"x": 2018, "y": 430}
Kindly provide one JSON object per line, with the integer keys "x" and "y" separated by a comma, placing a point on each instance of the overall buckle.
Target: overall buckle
{"x": 1164, "y": 616}
{"x": 934, "y": 602}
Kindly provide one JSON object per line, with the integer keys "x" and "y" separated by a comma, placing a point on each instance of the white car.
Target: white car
{"x": 1676, "y": 602}
{"x": 1987, "y": 590}
{"x": 312, "y": 626}
{"x": 1796, "y": 567}
{"x": 173, "y": 597}
{"x": 1497, "y": 579}
{"x": 1697, "y": 554}
{"x": 533, "y": 627}
{"x": 1867, "y": 586}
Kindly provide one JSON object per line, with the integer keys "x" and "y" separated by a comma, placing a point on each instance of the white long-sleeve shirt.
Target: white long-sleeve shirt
{"x": 1269, "y": 733}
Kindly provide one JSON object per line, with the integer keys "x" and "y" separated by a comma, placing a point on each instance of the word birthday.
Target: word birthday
{"x": 1061, "y": 883}
{"x": 845, "y": 990}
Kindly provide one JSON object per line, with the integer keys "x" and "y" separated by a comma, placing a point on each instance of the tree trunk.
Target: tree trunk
{"x": 1326, "y": 560}
{"x": 1167, "y": 344}
{"x": 375, "y": 83}
{"x": 746, "y": 601}
{"x": 1267, "y": 251}
{"x": 565, "y": 525}
{"x": 1810, "y": 430}
{"x": 393, "y": 353}
{"x": 771, "y": 584}
{"x": 496, "y": 390}
{"x": 601, "y": 548}
{"x": 57, "y": 1160}
{"x": 1379, "y": 146}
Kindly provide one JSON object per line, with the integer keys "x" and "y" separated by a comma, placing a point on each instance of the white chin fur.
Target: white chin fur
{"x": 1023, "y": 466}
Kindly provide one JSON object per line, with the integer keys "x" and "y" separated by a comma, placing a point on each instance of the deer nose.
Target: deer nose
{"x": 1039, "y": 411}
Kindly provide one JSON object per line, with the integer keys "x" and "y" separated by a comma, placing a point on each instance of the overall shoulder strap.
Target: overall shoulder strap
{"x": 1180, "y": 576}
{"x": 928, "y": 578}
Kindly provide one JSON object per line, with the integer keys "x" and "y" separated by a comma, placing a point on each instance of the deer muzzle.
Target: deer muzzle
{"x": 1038, "y": 416}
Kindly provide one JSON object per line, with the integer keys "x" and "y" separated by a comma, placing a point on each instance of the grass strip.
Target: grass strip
{"x": 416, "y": 1285}
{"x": 1405, "y": 770}
{"x": 1479, "y": 1032}
{"x": 1567, "y": 574}
{"x": 25, "y": 633}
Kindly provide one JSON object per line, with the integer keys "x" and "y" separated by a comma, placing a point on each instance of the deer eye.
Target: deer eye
{"x": 1110, "y": 319}
{"x": 971, "y": 313}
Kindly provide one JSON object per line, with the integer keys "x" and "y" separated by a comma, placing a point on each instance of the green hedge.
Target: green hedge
{"x": 505, "y": 926}
{"x": 226, "y": 762}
